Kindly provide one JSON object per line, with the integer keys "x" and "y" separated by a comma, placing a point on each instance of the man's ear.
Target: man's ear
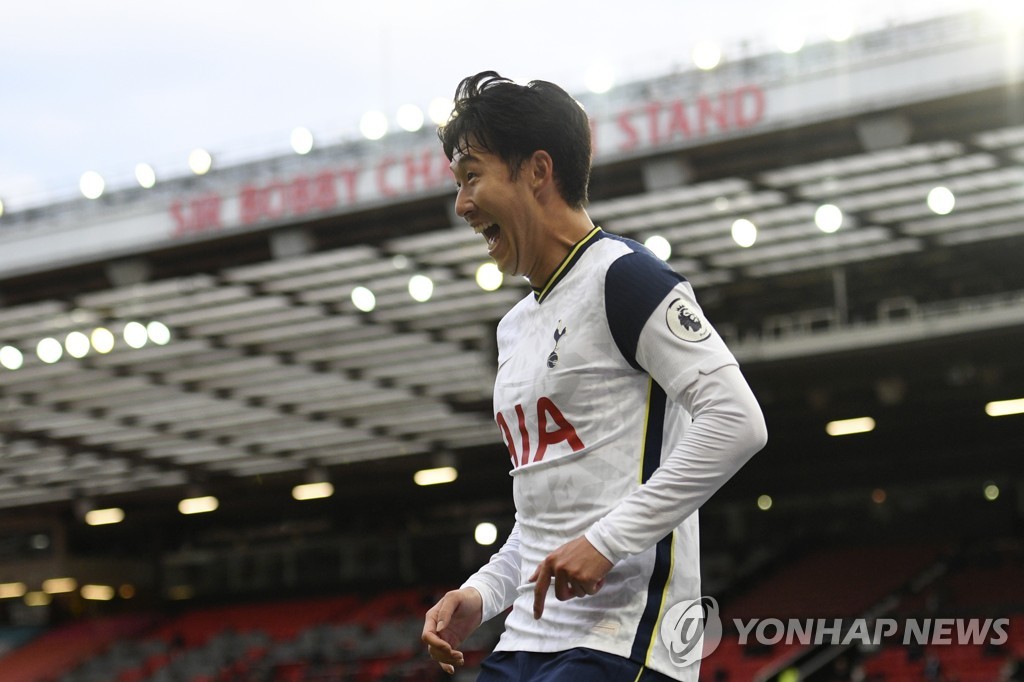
{"x": 541, "y": 169}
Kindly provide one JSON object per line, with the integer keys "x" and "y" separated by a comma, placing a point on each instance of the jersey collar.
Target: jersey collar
{"x": 566, "y": 265}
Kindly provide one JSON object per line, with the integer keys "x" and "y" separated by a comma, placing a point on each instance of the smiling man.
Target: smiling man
{"x": 621, "y": 409}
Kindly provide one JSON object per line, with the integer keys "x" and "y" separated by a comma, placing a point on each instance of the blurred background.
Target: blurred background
{"x": 246, "y": 347}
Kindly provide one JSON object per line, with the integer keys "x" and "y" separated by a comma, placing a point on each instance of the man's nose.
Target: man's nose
{"x": 463, "y": 204}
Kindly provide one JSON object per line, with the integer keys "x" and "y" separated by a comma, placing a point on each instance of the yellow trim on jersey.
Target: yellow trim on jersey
{"x": 638, "y": 674}
{"x": 565, "y": 262}
{"x": 664, "y": 594}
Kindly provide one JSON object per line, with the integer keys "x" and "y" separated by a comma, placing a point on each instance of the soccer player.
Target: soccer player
{"x": 621, "y": 408}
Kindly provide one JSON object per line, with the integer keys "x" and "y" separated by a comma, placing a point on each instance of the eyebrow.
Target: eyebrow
{"x": 462, "y": 161}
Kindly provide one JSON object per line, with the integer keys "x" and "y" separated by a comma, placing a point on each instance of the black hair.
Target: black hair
{"x": 513, "y": 121}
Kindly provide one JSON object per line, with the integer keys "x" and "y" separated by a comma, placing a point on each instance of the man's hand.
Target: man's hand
{"x": 578, "y": 570}
{"x": 448, "y": 623}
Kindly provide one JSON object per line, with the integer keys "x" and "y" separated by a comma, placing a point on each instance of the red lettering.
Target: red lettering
{"x": 653, "y": 114}
{"x": 755, "y": 96}
{"x": 626, "y": 126}
{"x": 678, "y": 123}
{"x": 200, "y": 214}
{"x": 299, "y": 200}
{"x": 325, "y": 195}
{"x": 382, "y": 177}
{"x": 507, "y": 436}
{"x": 430, "y": 170}
{"x": 249, "y": 204}
{"x": 706, "y": 109}
{"x": 349, "y": 176}
{"x": 565, "y": 431}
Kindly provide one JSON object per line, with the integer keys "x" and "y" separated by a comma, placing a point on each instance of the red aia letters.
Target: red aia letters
{"x": 546, "y": 411}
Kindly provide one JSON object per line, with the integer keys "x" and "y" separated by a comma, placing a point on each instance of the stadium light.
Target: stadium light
{"x": 1002, "y": 408}
{"x": 790, "y": 39}
{"x": 485, "y": 534}
{"x": 839, "y": 28}
{"x": 145, "y": 175}
{"x": 421, "y": 288}
{"x": 102, "y": 340}
{"x": 312, "y": 491}
{"x": 599, "y": 78}
{"x": 97, "y": 592}
{"x": 363, "y": 299}
{"x": 941, "y": 200}
{"x": 440, "y": 110}
{"x": 302, "y": 141}
{"x": 706, "y": 55}
{"x": 828, "y": 218}
{"x": 37, "y": 599}
{"x": 49, "y": 350}
{"x": 373, "y": 125}
{"x": 91, "y": 185}
{"x": 104, "y": 517}
{"x": 77, "y": 344}
{"x": 59, "y": 585}
{"x": 659, "y": 246}
{"x": 764, "y": 502}
{"x": 1, "y": 207}
{"x": 409, "y": 117}
{"x": 991, "y": 491}
{"x": 11, "y": 358}
{"x": 12, "y": 590}
{"x": 437, "y": 476}
{"x": 198, "y": 505}
{"x": 744, "y": 233}
{"x": 200, "y": 161}
{"x": 489, "y": 277}
{"x": 847, "y": 427}
{"x": 135, "y": 334}
{"x": 158, "y": 333}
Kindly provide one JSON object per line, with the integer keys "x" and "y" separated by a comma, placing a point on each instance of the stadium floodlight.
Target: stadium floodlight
{"x": 135, "y": 334}
{"x": 145, "y": 175}
{"x": 200, "y": 161}
{"x": 421, "y": 288}
{"x": 991, "y": 491}
{"x": 104, "y": 517}
{"x": 102, "y": 340}
{"x": 790, "y": 39}
{"x": 158, "y": 333}
{"x": 363, "y": 299}
{"x": 49, "y": 350}
{"x": 659, "y": 246}
{"x": 1, "y": 207}
{"x": 436, "y": 476}
{"x": 37, "y": 599}
{"x": 706, "y": 55}
{"x": 198, "y": 505}
{"x": 77, "y": 344}
{"x": 59, "y": 585}
{"x": 941, "y": 200}
{"x": 1002, "y": 408}
{"x": 302, "y": 140}
{"x": 485, "y": 534}
{"x": 11, "y": 358}
{"x": 12, "y": 590}
{"x": 764, "y": 502}
{"x": 599, "y": 77}
{"x": 313, "y": 491}
{"x": 828, "y": 218}
{"x": 409, "y": 117}
{"x": 847, "y": 427}
{"x": 97, "y": 592}
{"x": 744, "y": 232}
{"x": 489, "y": 277}
{"x": 440, "y": 110}
{"x": 373, "y": 125}
{"x": 91, "y": 184}
{"x": 839, "y": 28}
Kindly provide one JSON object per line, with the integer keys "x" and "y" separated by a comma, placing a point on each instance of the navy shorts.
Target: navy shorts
{"x": 574, "y": 665}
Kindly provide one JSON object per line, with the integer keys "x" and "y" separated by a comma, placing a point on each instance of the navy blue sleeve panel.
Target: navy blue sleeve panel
{"x": 635, "y": 285}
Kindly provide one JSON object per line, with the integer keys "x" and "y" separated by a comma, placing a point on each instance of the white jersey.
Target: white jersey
{"x": 598, "y": 375}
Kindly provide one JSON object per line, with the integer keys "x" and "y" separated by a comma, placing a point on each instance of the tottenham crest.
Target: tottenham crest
{"x": 553, "y": 356}
{"x": 685, "y": 323}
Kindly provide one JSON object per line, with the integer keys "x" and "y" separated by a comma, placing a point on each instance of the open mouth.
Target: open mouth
{"x": 491, "y": 234}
